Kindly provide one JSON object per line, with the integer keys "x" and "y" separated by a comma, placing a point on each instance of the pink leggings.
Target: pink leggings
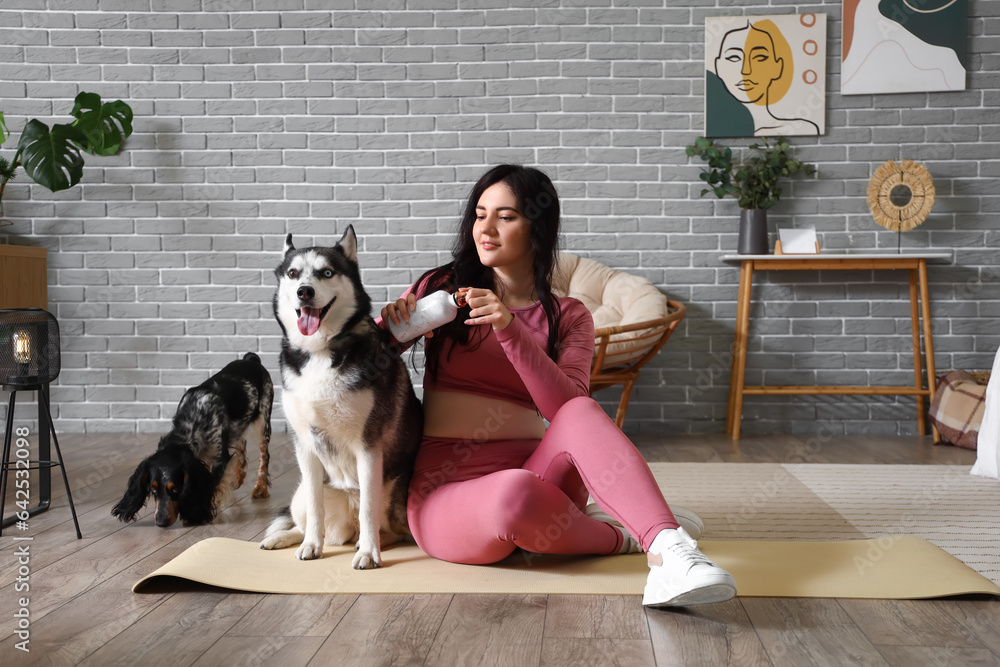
{"x": 475, "y": 502}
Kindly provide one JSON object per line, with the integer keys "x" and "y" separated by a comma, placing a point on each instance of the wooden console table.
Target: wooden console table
{"x": 915, "y": 263}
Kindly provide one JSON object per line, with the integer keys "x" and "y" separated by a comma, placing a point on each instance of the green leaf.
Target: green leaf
{"x": 7, "y": 170}
{"x": 4, "y": 132}
{"x": 754, "y": 181}
{"x": 104, "y": 125}
{"x": 51, "y": 157}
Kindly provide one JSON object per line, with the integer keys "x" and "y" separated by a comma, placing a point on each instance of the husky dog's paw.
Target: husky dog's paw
{"x": 282, "y": 539}
{"x": 309, "y": 551}
{"x": 366, "y": 560}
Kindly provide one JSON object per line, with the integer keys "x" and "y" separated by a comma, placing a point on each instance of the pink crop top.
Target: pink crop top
{"x": 513, "y": 365}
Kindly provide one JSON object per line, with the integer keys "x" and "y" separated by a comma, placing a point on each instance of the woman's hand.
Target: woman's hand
{"x": 400, "y": 311}
{"x": 486, "y": 308}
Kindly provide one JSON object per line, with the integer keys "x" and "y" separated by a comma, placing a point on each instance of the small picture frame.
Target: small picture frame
{"x": 796, "y": 241}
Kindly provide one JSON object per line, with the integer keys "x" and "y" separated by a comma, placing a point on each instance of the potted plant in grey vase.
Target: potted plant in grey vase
{"x": 754, "y": 182}
{"x": 52, "y": 156}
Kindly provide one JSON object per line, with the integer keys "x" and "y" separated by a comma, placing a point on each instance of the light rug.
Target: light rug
{"x": 763, "y": 522}
{"x": 944, "y": 505}
{"x": 806, "y": 501}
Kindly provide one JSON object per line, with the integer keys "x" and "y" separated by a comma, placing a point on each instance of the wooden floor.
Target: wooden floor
{"x": 82, "y": 610}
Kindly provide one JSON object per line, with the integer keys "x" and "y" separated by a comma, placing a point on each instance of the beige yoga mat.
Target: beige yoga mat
{"x": 902, "y": 567}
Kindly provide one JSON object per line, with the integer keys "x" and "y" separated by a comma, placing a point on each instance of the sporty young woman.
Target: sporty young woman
{"x": 490, "y": 477}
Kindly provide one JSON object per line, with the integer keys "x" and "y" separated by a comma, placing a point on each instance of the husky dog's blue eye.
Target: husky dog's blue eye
{"x": 327, "y": 273}
{"x": 293, "y": 273}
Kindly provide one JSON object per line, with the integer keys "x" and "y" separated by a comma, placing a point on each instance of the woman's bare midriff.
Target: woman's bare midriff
{"x": 452, "y": 414}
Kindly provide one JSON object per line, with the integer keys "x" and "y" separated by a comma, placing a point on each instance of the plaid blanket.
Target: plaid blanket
{"x": 957, "y": 409}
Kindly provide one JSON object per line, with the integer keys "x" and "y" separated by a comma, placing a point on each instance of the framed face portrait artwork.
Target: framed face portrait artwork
{"x": 904, "y": 46}
{"x": 765, "y": 75}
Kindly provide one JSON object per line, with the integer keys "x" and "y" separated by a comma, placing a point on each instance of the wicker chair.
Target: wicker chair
{"x": 633, "y": 320}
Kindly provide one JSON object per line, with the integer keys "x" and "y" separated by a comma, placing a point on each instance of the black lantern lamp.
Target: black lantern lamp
{"x": 29, "y": 361}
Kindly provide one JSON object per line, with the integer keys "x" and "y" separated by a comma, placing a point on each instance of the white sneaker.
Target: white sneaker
{"x": 689, "y": 521}
{"x": 680, "y": 575}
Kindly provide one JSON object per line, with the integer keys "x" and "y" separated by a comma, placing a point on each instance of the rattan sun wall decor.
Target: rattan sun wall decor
{"x": 900, "y": 195}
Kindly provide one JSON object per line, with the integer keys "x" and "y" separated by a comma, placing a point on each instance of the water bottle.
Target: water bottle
{"x": 432, "y": 311}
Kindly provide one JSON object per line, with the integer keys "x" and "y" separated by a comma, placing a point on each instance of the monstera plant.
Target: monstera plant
{"x": 52, "y": 156}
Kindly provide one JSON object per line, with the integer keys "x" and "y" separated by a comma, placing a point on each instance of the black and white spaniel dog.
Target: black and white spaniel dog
{"x": 202, "y": 460}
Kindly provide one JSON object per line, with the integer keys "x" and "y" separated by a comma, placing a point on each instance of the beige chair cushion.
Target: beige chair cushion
{"x": 614, "y": 298}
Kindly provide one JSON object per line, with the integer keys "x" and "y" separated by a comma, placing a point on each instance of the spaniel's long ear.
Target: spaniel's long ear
{"x": 135, "y": 494}
{"x": 195, "y": 504}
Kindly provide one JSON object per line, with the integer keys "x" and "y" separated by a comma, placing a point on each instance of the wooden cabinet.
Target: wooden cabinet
{"x": 23, "y": 279}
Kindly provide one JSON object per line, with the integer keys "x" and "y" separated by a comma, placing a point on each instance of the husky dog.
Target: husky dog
{"x": 349, "y": 400}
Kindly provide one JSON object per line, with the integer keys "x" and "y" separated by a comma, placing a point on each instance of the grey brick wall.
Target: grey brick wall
{"x": 257, "y": 118}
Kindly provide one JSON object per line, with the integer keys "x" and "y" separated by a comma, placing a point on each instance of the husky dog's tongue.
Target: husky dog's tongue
{"x": 309, "y": 320}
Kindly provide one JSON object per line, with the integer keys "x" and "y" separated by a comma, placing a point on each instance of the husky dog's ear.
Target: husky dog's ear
{"x": 288, "y": 244}
{"x": 349, "y": 243}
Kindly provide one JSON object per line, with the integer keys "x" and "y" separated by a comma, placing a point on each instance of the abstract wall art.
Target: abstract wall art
{"x": 904, "y": 46}
{"x": 765, "y": 75}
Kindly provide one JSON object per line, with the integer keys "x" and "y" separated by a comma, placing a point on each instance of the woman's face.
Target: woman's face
{"x": 501, "y": 232}
{"x": 747, "y": 64}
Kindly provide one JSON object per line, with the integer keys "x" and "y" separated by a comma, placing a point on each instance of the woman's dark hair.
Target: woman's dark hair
{"x": 538, "y": 203}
